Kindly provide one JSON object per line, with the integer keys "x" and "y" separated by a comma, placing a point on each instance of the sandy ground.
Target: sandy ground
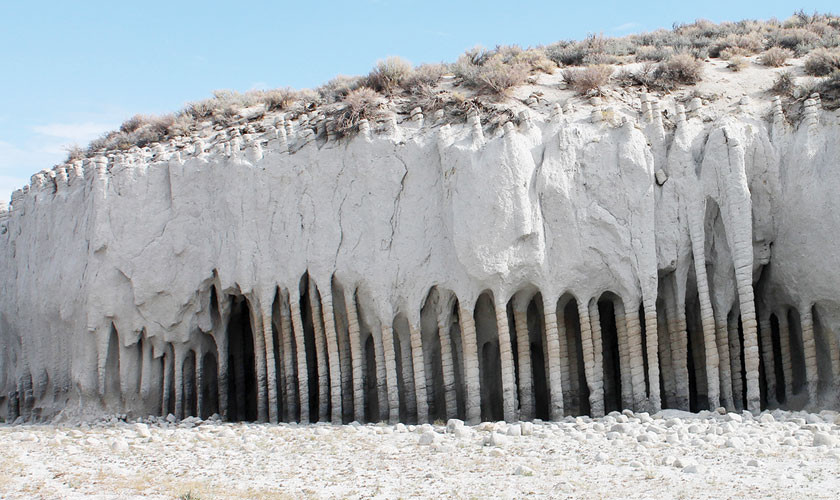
{"x": 668, "y": 455}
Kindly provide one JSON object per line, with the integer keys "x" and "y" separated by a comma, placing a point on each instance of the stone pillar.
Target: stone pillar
{"x": 260, "y": 361}
{"x": 271, "y": 366}
{"x": 553, "y": 354}
{"x": 675, "y": 311}
{"x": 419, "y": 375}
{"x": 356, "y": 358}
{"x": 300, "y": 348}
{"x": 447, "y": 364}
{"x": 472, "y": 388}
{"x": 596, "y": 394}
{"x": 767, "y": 355}
{"x": 199, "y": 381}
{"x": 288, "y": 339}
{"x": 523, "y": 348}
{"x": 724, "y": 373}
{"x": 567, "y": 357}
{"x": 381, "y": 375}
{"x": 707, "y": 316}
{"x": 166, "y": 392}
{"x": 332, "y": 353}
{"x": 652, "y": 341}
{"x": 664, "y": 338}
{"x": 407, "y": 367}
{"x": 810, "y": 349}
{"x": 735, "y": 362}
{"x": 784, "y": 344}
{"x": 391, "y": 373}
{"x": 179, "y": 384}
{"x": 320, "y": 354}
{"x": 623, "y": 353}
{"x": 635, "y": 357}
{"x": 506, "y": 352}
{"x": 597, "y": 354}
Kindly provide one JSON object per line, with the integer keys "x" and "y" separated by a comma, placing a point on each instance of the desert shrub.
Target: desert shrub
{"x": 829, "y": 89}
{"x": 533, "y": 58}
{"x": 74, "y": 152}
{"x": 362, "y": 100}
{"x": 595, "y": 49}
{"x": 745, "y": 44}
{"x": 591, "y": 78}
{"x": 679, "y": 69}
{"x": 199, "y": 109}
{"x": 775, "y": 57}
{"x": 134, "y": 123}
{"x": 737, "y": 63}
{"x": 181, "y": 125}
{"x": 727, "y": 54}
{"x": 822, "y": 62}
{"x": 653, "y": 53}
{"x": 488, "y": 72}
{"x": 278, "y": 99}
{"x": 389, "y": 74}
{"x": 335, "y": 89}
{"x": 682, "y": 69}
{"x": 567, "y": 53}
{"x": 497, "y": 77}
{"x": 425, "y": 75}
{"x": 658, "y": 38}
{"x": 784, "y": 84}
{"x": 360, "y": 103}
{"x": 797, "y": 39}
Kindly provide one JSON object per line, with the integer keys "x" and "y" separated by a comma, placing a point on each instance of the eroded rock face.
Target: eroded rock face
{"x": 561, "y": 265}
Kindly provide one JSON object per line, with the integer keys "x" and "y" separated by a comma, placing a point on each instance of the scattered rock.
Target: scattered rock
{"x": 527, "y": 428}
{"x": 462, "y": 432}
{"x": 454, "y": 423}
{"x": 735, "y": 443}
{"x": 523, "y": 470}
{"x": 142, "y": 430}
{"x": 496, "y": 439}
{"x": 119, "y": 445}
{"x": 427, "y": 438}
{"x": 824, "y": 439}
{"x": 620, "y": 428}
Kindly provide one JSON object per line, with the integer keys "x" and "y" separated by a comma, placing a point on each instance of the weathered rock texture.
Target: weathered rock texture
{"x": 575, "y": 261}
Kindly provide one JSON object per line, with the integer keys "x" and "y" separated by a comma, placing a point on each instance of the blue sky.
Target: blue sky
{"x": 70, "y": 71}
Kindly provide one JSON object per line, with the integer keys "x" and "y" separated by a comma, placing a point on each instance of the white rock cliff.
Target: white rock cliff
{"x": 577, "y": 260}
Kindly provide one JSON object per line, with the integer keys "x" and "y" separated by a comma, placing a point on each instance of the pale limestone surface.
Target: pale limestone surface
{"x": 669, "y": 455}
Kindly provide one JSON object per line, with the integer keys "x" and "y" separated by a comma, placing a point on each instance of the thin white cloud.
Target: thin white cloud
{"x": 79, "y": 133}
{"x": 625, "y": 27}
